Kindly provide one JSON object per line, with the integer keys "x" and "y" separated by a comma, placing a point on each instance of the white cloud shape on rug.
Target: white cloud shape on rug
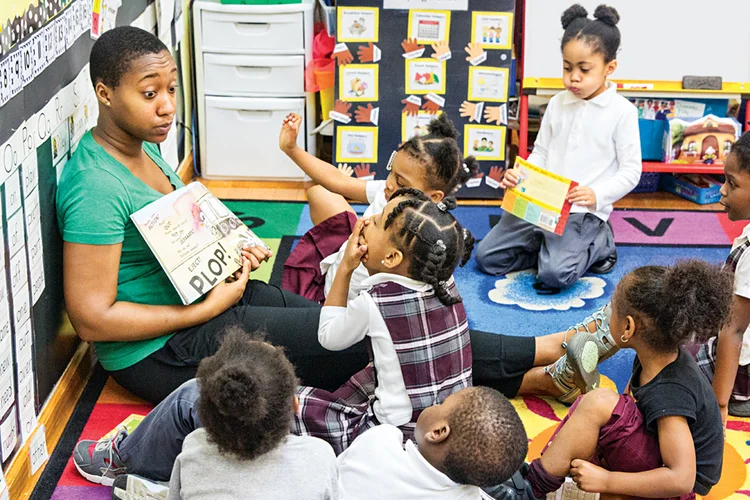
{"x": 516, "y": 289}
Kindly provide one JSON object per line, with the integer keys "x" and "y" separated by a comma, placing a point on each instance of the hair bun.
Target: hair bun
{"x": 234, "y": 389}
{"x": 572, "y": 13}
{"x": 442, "y": 127}
{"x": 607, "y": 15}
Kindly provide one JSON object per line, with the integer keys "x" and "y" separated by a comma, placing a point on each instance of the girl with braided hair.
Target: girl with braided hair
{"x": 432, "y": 163}
{"x": 410, "y": 315}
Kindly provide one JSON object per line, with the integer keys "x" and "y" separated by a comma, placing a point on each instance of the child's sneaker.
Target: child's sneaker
{"x": 132, "y": 487}
{"x": 598, "y": 326}
{"x": 571, "y": 381}
{"x": 515, "y": 488}
{"x": 99, "y": 461}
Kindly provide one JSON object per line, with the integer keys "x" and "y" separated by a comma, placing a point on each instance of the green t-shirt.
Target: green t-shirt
{"x": 95, "y": 197}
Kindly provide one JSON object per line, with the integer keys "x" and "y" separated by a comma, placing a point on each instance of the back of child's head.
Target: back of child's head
{"x": 674, "y": 305}
{"x": 438, "y": 151}
{"x": 741, "y": 150}
{"x": 601, "y": 33}
{"x": 246, "y": 395}
{"x": 488, "y": 442}
{"x": 430, "y": 238}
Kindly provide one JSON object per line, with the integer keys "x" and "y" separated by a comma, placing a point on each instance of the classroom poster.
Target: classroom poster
{"x": 358, "y": 24}
{"x": 426, "y": 51}
{"x": 424, "y": 76}
{"x": 485, "y": 142}
{"x": 358, "y": 82}
{"x": 416, "y": 125}
{"x": 429, "y": 26}
{"x": 488, "y": 84}
{"x": 357, "y": 145}
{"x": 494, "y": 30}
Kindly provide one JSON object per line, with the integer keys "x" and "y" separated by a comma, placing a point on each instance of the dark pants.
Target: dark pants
{"x": 514, "y": 245}
{"x": 150, "y": 451}
{"x": 287, "y": 319}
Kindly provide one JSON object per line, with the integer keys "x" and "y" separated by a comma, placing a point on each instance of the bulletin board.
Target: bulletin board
{"x": 399, "y": 67}
{"x": 47, "y": 103}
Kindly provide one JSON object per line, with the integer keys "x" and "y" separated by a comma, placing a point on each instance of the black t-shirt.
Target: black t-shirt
{"x": 680, "y": 389}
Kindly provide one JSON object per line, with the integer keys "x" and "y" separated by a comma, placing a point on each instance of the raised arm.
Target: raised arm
{"x": 320, "y": 172}
{"x": 90, "y": 274}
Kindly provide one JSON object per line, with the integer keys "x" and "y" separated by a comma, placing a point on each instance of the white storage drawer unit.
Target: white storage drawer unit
{"x": 250, "y": 73}
{"x": 244, "y": 136}
{"x": 230, "y": 32}
{"x": 230, "y": 74}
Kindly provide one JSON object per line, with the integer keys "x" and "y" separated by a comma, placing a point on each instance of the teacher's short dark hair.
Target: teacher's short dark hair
{"x": 114, "y": 51}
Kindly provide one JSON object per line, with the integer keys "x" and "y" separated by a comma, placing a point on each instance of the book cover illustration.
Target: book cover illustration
{"x": 195, "y": 237}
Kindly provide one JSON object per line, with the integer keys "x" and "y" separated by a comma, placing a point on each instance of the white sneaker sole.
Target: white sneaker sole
{"x": 104, "y": 481}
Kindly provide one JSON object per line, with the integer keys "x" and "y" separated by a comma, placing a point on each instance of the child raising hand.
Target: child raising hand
{"x": 431, "y": 163}
{"x": 409, "y": 314}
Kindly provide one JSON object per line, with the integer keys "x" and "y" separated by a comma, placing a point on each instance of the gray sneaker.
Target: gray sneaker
{"x": 739, "y": 408}
{"x": 99, "y": 461}
{"x": 598, "y": 326}
{"x": 132, "y": 487}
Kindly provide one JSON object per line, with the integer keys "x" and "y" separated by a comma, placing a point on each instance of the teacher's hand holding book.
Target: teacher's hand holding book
{"x": 226, "y": 294}
{"x": 256, "y": 256}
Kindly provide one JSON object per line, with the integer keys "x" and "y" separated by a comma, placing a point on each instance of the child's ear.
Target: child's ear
{"x": 438, "y": 433}
{"x": 393, "y": 258}
{"x": 611, "y": 66}
{"x": 630, "y": 327}
{"x": 295, "y": 404}
{"x": 437, "y": 196}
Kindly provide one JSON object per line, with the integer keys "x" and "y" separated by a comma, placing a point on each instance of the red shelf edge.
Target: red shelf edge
{"x": 676, "y": 168}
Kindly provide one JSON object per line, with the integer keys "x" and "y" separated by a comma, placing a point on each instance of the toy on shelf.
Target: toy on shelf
{"x": 707, "y": 140}
{"x": 701, "y": 189}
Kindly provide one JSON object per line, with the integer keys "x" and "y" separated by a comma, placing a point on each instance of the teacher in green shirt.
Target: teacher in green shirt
{"x": 116, "y": 293}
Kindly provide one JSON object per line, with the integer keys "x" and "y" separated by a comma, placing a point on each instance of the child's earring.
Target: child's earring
{"x": 109, "y": 103}
{"x": 624, "y": 340}
{"x": 382, "y": 261}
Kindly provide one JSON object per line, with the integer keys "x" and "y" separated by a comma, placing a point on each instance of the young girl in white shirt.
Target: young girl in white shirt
{"x": 590, "y": 135}
{"x": 432, "y": 163}
{"x": 410, "y": 316}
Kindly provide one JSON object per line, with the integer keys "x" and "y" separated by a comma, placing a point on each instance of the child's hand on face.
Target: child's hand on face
{"x": 589, "y": 477}
{"x": 511, "y": 178}
{"x": 582, "y": 195}
{"x": 354, "y": 250}
{"x": 289, "y": 130}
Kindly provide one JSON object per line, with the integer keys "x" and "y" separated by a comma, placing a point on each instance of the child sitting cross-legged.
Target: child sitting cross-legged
{"x": 410, "y": 316}
{"x": 474, "y": 438}
{"x": 664, "y": 437}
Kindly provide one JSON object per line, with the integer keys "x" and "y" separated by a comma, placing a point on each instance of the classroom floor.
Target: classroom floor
{"x": 283, "y": 204}
{"x": 295, "y": 191}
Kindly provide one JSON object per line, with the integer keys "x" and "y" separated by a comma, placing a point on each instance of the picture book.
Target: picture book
{"x": 539, "y": 197}
{"x": 196, "y": 239}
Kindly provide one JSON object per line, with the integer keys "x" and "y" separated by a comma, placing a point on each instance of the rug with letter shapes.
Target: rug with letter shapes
{"x": 643, "y": 237}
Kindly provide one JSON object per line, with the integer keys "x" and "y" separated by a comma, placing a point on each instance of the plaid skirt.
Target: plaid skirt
{"x": 339, "y": 417}
{"x": 705, "y": 356}
{"x": 302, "y": 273}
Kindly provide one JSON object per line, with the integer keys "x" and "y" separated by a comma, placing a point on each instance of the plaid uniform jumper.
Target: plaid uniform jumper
{"x": 431, "y": 341}
{"x": 706, "y": 355}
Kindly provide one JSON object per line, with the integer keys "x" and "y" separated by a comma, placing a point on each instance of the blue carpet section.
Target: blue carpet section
{"x": 513, "y": 320}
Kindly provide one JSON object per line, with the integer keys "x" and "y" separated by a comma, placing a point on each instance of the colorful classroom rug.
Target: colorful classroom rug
{"x": 493, "y": 304}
